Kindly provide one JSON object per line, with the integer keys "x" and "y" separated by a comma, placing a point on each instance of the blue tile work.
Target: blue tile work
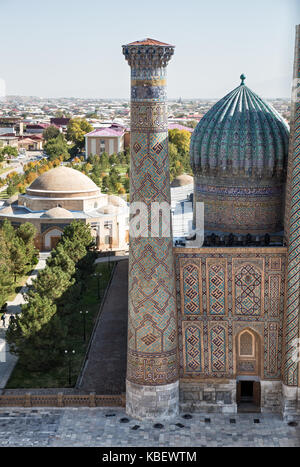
{"x": 193, "y": 348}
{"x": 240, "y": 135}
{"x": 239, "y": 289}
{"x": 291, "y": 369}
{"x": 152, "y": 335}
{"x": 239, "y": 157}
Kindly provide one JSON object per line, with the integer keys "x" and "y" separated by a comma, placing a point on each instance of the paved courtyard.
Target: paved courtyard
{"x": 104, "y": 427}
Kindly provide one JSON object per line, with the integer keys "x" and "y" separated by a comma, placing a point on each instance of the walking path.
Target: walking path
{"x": 108, "y": 259}
{"x": 7, "y": 360}
{"x": 105, "y": 369}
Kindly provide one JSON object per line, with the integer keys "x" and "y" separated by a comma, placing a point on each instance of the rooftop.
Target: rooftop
{"x": 63, "y": 179}
{"x": 149, "y": 41}
{"x": 107, "y": 132}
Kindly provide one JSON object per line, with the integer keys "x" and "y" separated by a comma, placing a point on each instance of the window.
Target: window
{"x": 246, "y": 344}
{"x": 107, "y": 239}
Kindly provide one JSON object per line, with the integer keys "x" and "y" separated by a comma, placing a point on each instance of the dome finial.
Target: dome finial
{"x": 242, "y": 77}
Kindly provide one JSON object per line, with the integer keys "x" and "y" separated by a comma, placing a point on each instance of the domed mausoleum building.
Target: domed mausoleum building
{"x": 239, "y": 155}
{"x": 59, "y": 196}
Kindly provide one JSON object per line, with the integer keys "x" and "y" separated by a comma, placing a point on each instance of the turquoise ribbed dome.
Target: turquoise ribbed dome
{"x": 240, "y": 135}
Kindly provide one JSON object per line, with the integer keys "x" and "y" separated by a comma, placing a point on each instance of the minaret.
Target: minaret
{"x": 152, "y": 372}
{"x": 291, "y": 378}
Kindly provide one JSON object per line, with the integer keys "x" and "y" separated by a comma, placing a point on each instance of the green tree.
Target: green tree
{"x": 181, "y": 139}
{"x": 113, "y": 160}
{"x": 15, "y": 250}
{"x": 57, "y": 147}
{"x": 18, "y": 257}
{"x": 37, "y": 336}
{"x": 114, "y": 178}
{"x": 96, "y": 179}
{"x": 106, "y": 185}
{"x": 62, "y": 114}
{"x": 77, "y": 128}
{"x": 126, "y": 184}
{"x": 104, "y": 161}
{"x": 91, "y": 115}
{"x": 51, "y": 282}
{"x": 6, "y": 287}
{"x": 79, "y": 232}
{"x": 5, "y": 273}
{"x": 51, "y": 132}
{"x": 9, "y": 151}
{"x": 74, "y": 249}
{"x": 7, "y": 233}
{"x": 27, "y": 233}
{"x": 60, "y": 258}
{"x": 35, "y": 313}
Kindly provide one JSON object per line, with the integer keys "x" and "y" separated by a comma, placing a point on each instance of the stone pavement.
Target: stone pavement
{"x": 105, "y": 369}
{"x": 104, "y": 427}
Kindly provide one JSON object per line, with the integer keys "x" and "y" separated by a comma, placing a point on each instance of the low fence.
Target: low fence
{"x": 62, "y": 400}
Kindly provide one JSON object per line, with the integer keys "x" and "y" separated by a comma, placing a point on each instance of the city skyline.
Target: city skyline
{"x": 215, "y": 43}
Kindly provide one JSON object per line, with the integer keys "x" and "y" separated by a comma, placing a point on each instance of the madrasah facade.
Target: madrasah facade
{"x": 215, "y": 328}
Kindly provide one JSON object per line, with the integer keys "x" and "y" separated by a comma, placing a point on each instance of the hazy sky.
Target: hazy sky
{"x": 73, "y": 47}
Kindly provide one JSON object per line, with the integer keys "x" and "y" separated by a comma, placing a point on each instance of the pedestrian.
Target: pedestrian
{"x": 3, "y": 317}
{"x": 12, "y": 319}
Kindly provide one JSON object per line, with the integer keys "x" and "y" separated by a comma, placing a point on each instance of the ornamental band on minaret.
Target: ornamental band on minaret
{"x": 152, "y": 370}
{"x": 292, "y": 230}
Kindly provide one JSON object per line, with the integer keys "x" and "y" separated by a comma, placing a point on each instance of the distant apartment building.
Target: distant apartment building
{"x": 8, "y": 139}
{"x": 32, "y": 143}
{"x": 61, "y": 123}
{"x": 11, "y": 126}
{"x": 36, "y": 128}
{"x": 109, "y": 140}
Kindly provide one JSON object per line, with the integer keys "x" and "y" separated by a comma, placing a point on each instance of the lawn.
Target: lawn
{"x": 122, "y": 169}
{"x": 3, "y": 194}
{"x": 59, "y": 377}
{"x": 20, "y": 282}
{"x": 5, "y": 169}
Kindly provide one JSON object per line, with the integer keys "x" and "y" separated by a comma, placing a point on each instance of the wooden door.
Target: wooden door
{"x": 256, "y": 393}
{"x": 54, "y": 242}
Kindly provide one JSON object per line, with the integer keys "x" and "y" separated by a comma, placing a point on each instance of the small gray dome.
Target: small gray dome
{"x": 182, "y": 180}
{"x": 58, "y": 213}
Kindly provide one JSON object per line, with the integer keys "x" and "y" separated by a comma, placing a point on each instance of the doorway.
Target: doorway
{"x": 248, "y": 396}
{"x": 54, "y": 241}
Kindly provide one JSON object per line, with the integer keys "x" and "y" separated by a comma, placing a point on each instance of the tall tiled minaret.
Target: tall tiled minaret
{"x": 152, "y": 373}
{"x": 291, "y": 380}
